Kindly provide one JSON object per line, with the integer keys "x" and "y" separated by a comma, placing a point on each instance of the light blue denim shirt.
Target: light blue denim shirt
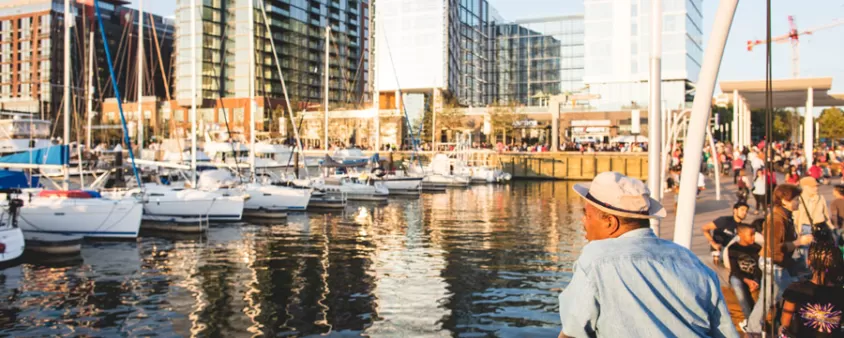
{"x": 638, "y": 285}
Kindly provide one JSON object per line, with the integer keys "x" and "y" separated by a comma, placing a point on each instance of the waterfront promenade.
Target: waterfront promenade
{"x": 708, "y": 209}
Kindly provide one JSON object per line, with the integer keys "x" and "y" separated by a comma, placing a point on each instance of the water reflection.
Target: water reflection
{"x": 484, "y": 260}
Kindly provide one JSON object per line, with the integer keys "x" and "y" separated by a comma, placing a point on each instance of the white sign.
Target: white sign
{"x": 591, "y": 123}
{"x": 635, "y": 122}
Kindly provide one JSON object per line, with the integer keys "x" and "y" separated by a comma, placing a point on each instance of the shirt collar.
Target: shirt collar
{"x": 638, "y": 233}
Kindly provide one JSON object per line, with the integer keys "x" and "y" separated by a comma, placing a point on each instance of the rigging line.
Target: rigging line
{"x": 220, "y": 94}
{"x": 120, "y": 47}
{"x": 403, "y": 107}
{"x": 341, "y": 68}
{"x": 167, "y": 89}
{"x": 149, "y": 55}
{"x": 117, "y": 94}
{"x": 284, "y": 89}
{"x": 768, "y": 296}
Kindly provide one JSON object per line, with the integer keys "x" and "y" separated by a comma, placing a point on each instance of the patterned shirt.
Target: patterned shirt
{"x": 638, "y": 285}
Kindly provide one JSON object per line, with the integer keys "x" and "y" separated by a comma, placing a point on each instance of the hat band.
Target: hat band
{"x": 605, "y": 205}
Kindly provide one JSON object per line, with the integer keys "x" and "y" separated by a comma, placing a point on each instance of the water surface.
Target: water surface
{"x": 485, "y": 261}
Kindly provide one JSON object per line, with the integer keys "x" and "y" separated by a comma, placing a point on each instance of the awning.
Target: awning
{"x": 787, "y": 93}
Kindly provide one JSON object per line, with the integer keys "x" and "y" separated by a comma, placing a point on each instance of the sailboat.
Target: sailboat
{"x": 176, "y": 206}
{"x": 65, "y": 211}
{"x": 12, "y": 243}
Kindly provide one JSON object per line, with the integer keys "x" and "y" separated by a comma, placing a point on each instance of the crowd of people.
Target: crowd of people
{"x": 806, "y": 268}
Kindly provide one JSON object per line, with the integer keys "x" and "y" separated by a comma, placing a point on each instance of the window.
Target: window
{"x": 634, "y": 10}
{"x": 634, "y": 28}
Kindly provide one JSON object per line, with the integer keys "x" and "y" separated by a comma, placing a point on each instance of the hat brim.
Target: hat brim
{"x": 656, "y": 209}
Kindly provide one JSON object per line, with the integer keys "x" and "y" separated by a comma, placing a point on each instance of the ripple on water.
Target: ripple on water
{"x": 473, "y": 262}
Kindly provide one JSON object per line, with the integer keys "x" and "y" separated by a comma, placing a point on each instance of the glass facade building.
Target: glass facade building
{"x": 297, "y": 28}
{"x": 617, "y": 50}
{"x": 531, "y": 59}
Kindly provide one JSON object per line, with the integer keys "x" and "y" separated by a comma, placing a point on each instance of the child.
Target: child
{"x": 744, "y": 267}
{"x": 813, "y": 308}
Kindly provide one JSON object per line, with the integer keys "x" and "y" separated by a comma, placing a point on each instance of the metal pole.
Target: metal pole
{"x": 684, "y": 222}
{"x": 140, "y": 77}
{"x": 90, "y": 106}
{"x": 808, "y": 127}
{"x": 327, "y": 44}
{"x": 194, "y": 94}
{"x": 299, "y": 147}
{"x": 66, "y": 86}
{"x": 714, "y": 156}
{"x": 655, "y": 107}
{"x": 253, "y": 106}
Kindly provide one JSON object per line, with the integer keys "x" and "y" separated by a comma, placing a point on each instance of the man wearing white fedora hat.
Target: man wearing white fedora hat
{"x": 628, "y": 282}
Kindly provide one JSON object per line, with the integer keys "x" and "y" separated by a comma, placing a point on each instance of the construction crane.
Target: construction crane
{"x": 793, "y": 36}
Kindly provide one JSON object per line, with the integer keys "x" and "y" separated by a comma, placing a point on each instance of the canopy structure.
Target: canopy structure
{"x": 787, "y": 93}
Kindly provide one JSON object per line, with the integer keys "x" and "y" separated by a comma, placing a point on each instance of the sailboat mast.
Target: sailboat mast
{"x": 327, "y": 44}
{"x": 253, "y": 107}
{"x": 90, "y": 87}
{"x": 140, "y": 76}
{"x": 194, "y": 79}
{"x": 66, "y": 86}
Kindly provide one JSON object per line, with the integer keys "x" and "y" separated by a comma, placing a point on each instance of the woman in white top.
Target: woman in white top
{"x": 759, "y": 192}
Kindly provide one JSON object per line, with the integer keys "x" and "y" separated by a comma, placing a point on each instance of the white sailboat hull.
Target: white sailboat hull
{"x": 94, "y": 217}
{"x": 12, "y": 238}
{"x": 186, "y": 205}
{"x": 271, "y": 197}
{"x": 402, "y": 185}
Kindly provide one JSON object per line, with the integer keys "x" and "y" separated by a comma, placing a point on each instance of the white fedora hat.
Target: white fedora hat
{"x": 620, "y": 195}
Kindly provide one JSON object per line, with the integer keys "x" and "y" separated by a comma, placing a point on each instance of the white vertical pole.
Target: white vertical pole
{"x": 140, "y": 77}
{"x": 747, "y": 126}
{"x": 684, "y": 222}
{"x": 808, "y": 127}
{"x": 66, "y": 86}
{"x": 655, "y": 107}
{"x": 194, "y": 79}
{"x": 327, "y": 48}
{"x": 90, "y": 106}
{"x": 253, "y": 106}
{"x": 734, "y": 126}
{"x": 740, "y": 123}
{"x": 715, "y": 160}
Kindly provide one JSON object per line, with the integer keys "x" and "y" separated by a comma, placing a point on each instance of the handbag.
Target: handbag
{"x": 820, "y": 230}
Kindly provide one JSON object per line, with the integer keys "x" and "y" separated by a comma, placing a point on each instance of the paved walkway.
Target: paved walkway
{"x": 708, "y": 209}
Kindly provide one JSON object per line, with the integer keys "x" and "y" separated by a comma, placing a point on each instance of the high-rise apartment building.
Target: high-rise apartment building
{"x": 32, "y": 57}
{"x": 529, "y": 60}
{"x": 424, "y": 45}
{"x": 617, "y": 48}
{"x": 298, "y": 29}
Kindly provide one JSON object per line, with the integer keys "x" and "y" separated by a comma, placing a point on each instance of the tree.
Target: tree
{"x": 451, "y": 117}
{"x": 784, "y": 123}
{"x": 502, "y": 117}
{"x": 831, "y": 123}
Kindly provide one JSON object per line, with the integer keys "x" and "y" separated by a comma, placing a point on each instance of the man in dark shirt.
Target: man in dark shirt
{"x": 744, "y": 266}
{"x": 721, "y": 231}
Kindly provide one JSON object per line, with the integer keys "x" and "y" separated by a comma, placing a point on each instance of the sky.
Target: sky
{"x": 820, "y": 53}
